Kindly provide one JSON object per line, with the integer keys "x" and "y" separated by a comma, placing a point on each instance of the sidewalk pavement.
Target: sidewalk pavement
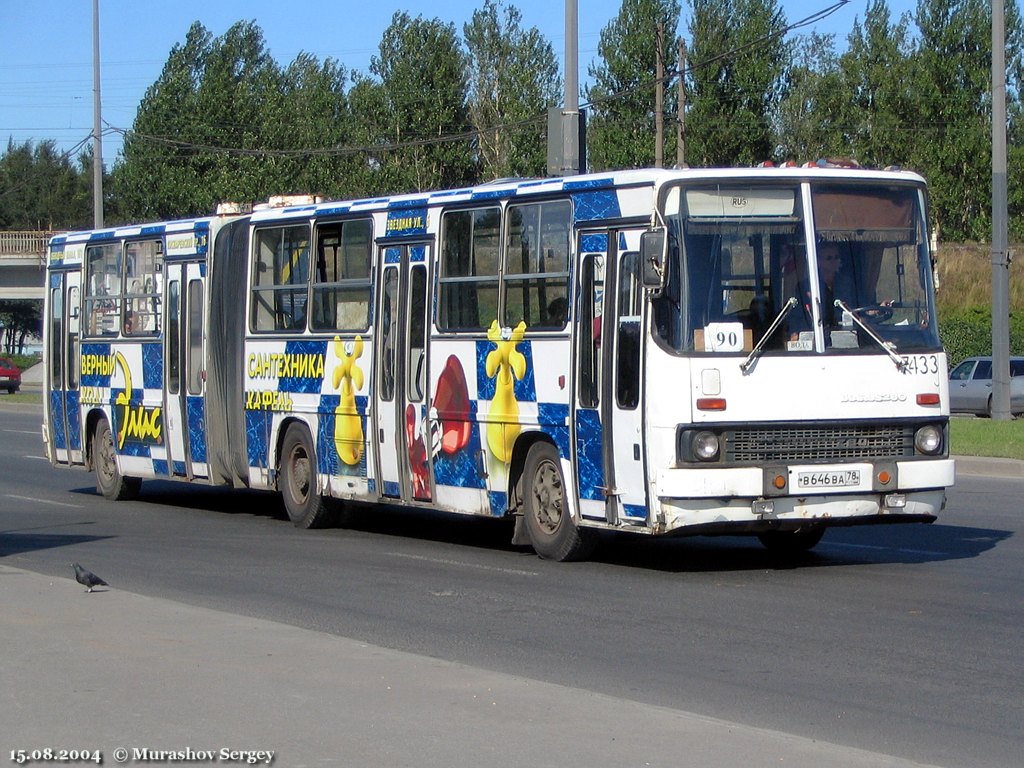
{"x": 113, "y": 671}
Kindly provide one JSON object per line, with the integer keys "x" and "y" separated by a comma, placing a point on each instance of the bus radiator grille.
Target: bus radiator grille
{"x": 818, "y": 443}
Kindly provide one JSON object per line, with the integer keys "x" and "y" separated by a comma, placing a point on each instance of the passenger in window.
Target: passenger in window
{"x": 829, "y": 265}
{"x": 556, "y": 312}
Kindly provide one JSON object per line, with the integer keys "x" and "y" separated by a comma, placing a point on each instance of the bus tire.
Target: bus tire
{"x": 109, "y": 480}
{"x": 299, "y": 482}
{"x": 791, "y": 542}
{"x": 553, "y": 533}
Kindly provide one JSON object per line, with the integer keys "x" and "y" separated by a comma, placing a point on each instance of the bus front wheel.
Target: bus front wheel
{"x": 109, "y": 480}
{"x": 299, "y": 483}
{"x": 553, "y": 533}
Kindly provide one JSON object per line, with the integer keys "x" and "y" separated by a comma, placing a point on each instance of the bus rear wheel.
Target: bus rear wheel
{"x": 109, "y": 480}
{"x": 553, "y": 533}
{"x": 299, "y": 483}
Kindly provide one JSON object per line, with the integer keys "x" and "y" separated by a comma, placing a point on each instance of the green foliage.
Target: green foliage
{"x": 874, "y": 101}
{"x": 967, "y": 332}
{"x": 621, "y": 121}
{"x": 514, "y": 79}
{"x": 42, "y": 189}
{"x": 736, "y": 81}
{"x": 418, "y": 106}
{"x": 224, "y": 121}
{"x": 19, "y": 318}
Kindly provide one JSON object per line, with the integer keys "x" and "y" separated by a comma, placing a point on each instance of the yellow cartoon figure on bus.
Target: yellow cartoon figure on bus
{"x": 504, "y": 362}
{"x": 348, "y": 427}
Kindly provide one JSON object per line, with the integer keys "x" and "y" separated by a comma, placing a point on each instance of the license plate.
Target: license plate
{"x": 831, "y": 478}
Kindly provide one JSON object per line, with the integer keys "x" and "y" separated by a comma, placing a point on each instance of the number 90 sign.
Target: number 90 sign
{"x": 723, "y": 337}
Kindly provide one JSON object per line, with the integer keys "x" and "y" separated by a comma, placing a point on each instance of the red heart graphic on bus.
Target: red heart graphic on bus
{"x": 452, "y": 404}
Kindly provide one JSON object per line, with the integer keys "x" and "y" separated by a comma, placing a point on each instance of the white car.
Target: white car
{"x": 970, "y": 386}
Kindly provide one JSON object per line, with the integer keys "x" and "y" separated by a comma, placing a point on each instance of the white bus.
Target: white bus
{"x": 656, "y": 351}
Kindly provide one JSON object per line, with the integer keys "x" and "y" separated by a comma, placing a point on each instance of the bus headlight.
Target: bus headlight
{"x": 928, "y": 440}
{"x": 705, "y": 445}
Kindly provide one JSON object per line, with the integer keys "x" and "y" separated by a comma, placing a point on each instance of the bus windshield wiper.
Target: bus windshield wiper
{"x": 888, "y": 346}
{"x": 771, "y": 329}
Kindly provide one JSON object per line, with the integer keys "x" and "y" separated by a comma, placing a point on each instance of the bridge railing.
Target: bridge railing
{"x": 25, "y": 242}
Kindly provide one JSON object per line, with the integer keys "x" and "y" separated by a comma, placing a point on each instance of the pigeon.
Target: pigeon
{"x": 88, "y": 578}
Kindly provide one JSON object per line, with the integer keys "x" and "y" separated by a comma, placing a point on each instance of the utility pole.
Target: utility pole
{"x": 659, "y": 98}
{"x": 567, "y": 136}
{"x": 1000, "y": 250}
{"x": 97, "y": 140}
{"x": 681, "y": 108}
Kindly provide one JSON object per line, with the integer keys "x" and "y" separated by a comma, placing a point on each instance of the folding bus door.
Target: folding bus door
{"x": 609, "y": 440}
{"x": 63, "y": 360}
{"x": 400, "y": 390}
{"x": 185, "y": 385}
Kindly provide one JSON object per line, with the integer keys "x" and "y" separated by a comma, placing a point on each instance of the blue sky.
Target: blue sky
{"x": 46, "y": 83}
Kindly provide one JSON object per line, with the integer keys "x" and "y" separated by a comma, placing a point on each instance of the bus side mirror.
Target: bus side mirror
{"x": 653, "y": 253}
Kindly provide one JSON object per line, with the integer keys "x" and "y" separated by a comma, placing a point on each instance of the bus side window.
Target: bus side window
{"x": 589, "y": 331}
{"x": 627, "y": 374}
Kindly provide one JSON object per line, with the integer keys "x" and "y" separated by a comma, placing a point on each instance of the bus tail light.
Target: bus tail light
{"x": 928, "y": 398}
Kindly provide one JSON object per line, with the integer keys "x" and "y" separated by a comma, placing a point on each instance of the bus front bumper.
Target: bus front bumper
{"x": 763, "y": 498}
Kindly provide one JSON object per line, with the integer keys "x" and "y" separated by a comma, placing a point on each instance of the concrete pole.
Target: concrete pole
{"x": 97, "y": 139}
{"x": 1000, "y": 249}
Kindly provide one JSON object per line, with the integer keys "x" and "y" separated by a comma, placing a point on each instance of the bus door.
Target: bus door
{"x": 609, "y": 444}
{"x": 62, "y": 399}
{"x": 185, "y": 385}
{"x": 400, "y": 389}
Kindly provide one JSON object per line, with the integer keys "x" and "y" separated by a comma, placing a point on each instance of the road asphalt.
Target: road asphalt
{"x": 110, "y": 670}
{"x": 146, "y": 680}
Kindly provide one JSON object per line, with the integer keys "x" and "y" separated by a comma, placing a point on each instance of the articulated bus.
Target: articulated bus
{"x": 735, "y": 351}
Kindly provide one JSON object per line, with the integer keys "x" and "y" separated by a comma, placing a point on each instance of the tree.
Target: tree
{"x": 735, "y": 80}
{"x": 310, "y": 118}
{"x": 513, "y": 81}
{"x": 810, "y": 117}
{"x": 159, "y": 168}
{"x": 877, "y": 102}
{"x": 952, "y": 83}
{"x": 43, "y": 189}
{"x": 18, "y": 319}
{"x": 419, "y": 116}
{"x": 621, "y": 131}
{"x": 199, "y": 136}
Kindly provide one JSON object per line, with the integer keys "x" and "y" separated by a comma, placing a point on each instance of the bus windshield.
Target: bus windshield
{"x": 851, "y": 275}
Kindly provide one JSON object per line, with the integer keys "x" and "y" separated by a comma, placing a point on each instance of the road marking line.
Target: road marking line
{"x": 442, "y": 561}
{"x": 927, "y": 552}
{"x": 43, "y": 501}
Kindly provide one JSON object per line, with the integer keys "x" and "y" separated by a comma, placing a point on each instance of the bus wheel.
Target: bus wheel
{"x": 553, "y": 533}
{"x": 306, "y": 507}
{"x": 791, "y": 542}
{"x": 109, "y": 480}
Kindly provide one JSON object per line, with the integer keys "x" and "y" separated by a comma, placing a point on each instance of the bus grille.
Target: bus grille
{"x": 844, "y": 442}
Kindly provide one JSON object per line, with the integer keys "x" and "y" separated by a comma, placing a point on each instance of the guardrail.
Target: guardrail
{"x": 25, "y": 242}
